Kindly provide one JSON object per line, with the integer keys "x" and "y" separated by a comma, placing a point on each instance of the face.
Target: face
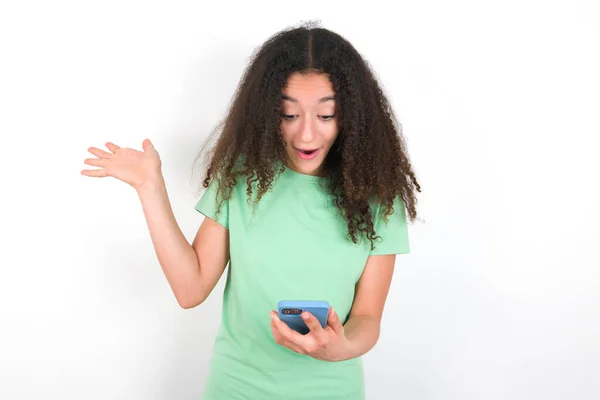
{"x": 309, "y": 124}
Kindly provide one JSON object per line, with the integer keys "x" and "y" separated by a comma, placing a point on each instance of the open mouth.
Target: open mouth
{"x": 308, "y": 151}
{"x": 307, "y": 154}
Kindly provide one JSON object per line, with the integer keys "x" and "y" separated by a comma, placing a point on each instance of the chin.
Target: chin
{"x": 303, "y": 167}
{"x": 313, "y": 169}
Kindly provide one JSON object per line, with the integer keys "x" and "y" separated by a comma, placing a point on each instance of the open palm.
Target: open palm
{"x": 131, "y": 166}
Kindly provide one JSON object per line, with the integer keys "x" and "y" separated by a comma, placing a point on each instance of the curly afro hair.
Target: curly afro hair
{"x": 367, "y": 161}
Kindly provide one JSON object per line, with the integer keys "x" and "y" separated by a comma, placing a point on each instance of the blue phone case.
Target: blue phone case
{"x": 289, "y": 312}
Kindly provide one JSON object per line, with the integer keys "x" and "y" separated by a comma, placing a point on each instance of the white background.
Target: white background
{"x": 499, "y": 101}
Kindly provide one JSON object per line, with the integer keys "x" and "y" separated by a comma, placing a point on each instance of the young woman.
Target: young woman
{"x": 308, "y": 190}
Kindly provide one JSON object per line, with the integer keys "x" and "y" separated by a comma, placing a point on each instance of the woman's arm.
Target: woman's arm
{"x": 191, "y": 270}
{"x": 362, "y": 326}
{"x": 361, "y": 330}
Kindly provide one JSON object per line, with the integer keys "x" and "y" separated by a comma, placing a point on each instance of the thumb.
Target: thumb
{"x": 147, "y": 145}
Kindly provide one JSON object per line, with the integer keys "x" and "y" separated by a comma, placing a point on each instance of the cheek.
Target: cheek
{"x": 287, "y": 132}
{"x": 331, "y": 133}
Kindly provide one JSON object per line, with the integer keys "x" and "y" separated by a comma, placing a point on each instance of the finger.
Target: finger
{"x": 313, "y": 324}
{"x": 147, "y": 144}
{"x": 282, "y": 341}
{"x": 333, "y": 320}
{"x": 276, "y": 334}
{"x": 285, "y": 343}
{"x": 279, "y": 337}
{"x": 99, "y": 152}
{"x": 112, "y": 147}
{"x": 96, "y": 162}
{"x": 286, "y": 332}
{"x": 96, "y": 173}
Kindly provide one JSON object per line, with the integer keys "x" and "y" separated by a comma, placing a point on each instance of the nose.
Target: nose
{"x": 308, "y": 132}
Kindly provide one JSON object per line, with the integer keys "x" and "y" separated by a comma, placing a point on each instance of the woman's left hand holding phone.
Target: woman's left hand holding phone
{"x": 327, "y": 344}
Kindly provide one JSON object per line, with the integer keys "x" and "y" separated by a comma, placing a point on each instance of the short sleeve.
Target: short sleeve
{"x": 209, "y": 203}
{"x": 392, "y": 236}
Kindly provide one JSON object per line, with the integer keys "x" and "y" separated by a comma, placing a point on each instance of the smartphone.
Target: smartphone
{"x": 290, "y": 311}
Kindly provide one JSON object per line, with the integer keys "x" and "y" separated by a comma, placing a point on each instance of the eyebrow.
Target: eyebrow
{"x": 321, "y": 100}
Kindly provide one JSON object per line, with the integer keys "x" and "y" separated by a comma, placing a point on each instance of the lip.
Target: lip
{"x": 305, "y": 156}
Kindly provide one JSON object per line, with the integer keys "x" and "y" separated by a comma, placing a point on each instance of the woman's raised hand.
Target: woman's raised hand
{"x": 131, "y": 166}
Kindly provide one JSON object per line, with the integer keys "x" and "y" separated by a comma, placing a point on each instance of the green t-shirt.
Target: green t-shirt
{"x": 292, "y": 247}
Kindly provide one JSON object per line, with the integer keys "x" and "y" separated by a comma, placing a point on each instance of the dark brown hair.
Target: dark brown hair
{"x": 367, "y": 161}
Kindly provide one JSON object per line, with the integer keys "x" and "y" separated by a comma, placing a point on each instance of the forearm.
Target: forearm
{"x": 362, "y": 333}
{"x": 176, "y": 256}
